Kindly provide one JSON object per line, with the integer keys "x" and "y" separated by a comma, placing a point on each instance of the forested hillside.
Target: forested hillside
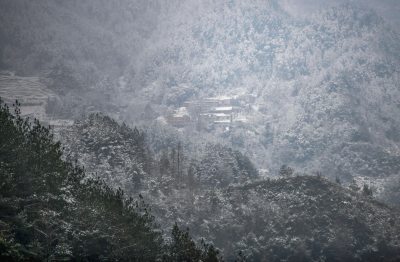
{"x": 163, "y": 169}
{"x": 326, "y": 86}
{"x": 50, "y": 210}
{"x": 301, "y": 218}
{"x": 270, "y": 134}
{"x": 217, "y": 193}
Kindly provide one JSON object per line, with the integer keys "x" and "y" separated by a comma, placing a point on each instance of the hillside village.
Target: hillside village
{"x": 211, "y": 112}
{"x": 203, "y": 114}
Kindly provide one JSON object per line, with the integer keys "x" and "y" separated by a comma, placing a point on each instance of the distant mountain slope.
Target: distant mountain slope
{"x": 326, "y": 86}
{"x": 298, "y": 219}
{"x": 90, "y": 39}
{"x": 302, "y": 218}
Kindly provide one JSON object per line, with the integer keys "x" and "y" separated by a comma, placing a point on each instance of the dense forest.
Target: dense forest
{"x": 53, "y": 209}
{"x": 229, "y": 130}
{"x": 316, "y": 82}
{"x": 50, "y": 210}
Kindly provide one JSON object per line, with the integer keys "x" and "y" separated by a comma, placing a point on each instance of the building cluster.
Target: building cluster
{"x": 180, "y": 117}
{"x": 207, "y": 113}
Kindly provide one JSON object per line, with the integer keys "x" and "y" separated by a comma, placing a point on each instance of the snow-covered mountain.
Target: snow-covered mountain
{"x": 316, "y": 88}
{"x": 216, "y": 192}
{"x": 326, "y": 85}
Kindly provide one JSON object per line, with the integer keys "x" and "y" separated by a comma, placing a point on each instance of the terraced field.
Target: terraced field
{"x": 31, "y": 92}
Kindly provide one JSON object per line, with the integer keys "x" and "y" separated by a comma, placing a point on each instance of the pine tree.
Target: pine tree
{"x": 367, "y": 190}
{"x": 286, "y": 171}
{"x": 50, "y": 210}
{"x": 183, "y": 248}
{"x": 55, "y": 214}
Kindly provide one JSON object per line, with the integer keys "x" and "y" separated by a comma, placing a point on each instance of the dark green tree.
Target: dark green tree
{"x": 183, "y": 248}
{"x": 367, "y": 190}
{"x": 286, "y": 171}
{"x": 50, "y": 210}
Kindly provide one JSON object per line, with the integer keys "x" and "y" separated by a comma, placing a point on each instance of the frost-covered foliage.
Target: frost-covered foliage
{"x": 320, "y": 93}
{"x": 326, "y": 86}
{"x": 223, "y": 166}
{"x": 125, "y": 158}
{"x": 50, "y": 209}
{"x": 217, "y": 196}
{"x": 391, "y": 191}
{"x": 113, "y": 152}
{"x": 297, "y": 219}
{"x": 166, "y": 170}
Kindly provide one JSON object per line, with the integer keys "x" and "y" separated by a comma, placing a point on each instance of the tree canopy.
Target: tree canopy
{"x": 49, "y": 209}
